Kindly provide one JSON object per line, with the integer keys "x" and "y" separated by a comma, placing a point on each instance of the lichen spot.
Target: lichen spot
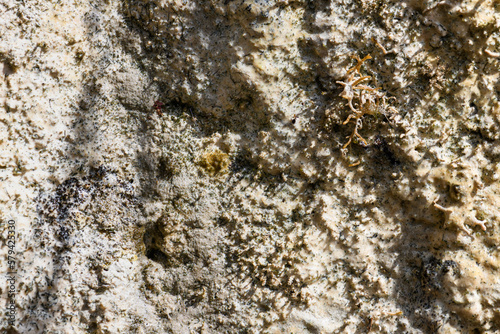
{"x": 214, "y": 162}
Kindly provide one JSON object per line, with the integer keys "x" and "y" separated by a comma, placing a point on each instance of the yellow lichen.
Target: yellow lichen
{"x": 214, "y": 162}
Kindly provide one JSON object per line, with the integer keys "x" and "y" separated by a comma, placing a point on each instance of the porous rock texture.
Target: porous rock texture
{"x": 234, "y": 204}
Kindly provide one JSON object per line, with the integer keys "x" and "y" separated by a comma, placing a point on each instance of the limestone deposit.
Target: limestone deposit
{"x": 181, "y": 166}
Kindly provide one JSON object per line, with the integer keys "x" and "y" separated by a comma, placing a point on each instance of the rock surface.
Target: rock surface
{"x": 182, "y": 166}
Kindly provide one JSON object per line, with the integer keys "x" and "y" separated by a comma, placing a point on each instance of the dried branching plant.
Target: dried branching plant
{"x": 362, "y": 99}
